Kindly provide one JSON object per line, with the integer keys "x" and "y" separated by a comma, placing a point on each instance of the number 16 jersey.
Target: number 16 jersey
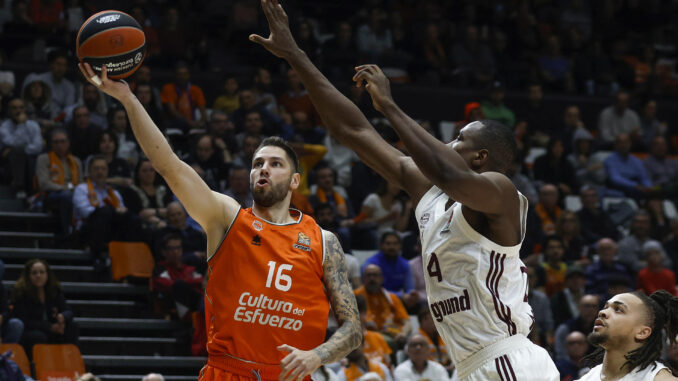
{"x": 477, "y": 290}
{"x": 265, "y": 289}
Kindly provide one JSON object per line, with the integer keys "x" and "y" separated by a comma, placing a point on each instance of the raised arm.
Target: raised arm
{"x": 343, "y": 118}
{"x": 488, "y": 192}
{"x": 191, "y": 190}
{"x": 298, "y": 364}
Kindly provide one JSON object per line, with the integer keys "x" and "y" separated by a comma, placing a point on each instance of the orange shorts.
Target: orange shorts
{"x": 230, "y": 369}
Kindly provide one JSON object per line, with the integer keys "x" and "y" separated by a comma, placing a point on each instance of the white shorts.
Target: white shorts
{"x": 518, "y": 360}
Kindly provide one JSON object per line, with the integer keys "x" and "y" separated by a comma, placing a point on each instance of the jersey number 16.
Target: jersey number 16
{"x": 283, "y": 282}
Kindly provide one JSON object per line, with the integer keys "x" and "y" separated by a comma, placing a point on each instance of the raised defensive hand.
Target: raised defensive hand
{"x": 298, "y": 364}
{"x": 280, "y": 41}
{"x": 376, "y": 83}
{"x": 116, "y": 89}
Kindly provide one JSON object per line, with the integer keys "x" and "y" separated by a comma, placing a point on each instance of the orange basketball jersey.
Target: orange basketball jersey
{"x": 265, "y": 289}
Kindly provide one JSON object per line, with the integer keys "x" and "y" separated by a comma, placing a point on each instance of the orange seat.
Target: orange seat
{"x": 54, "y": 361}
{"x": 130, "y": 259}
{"x": 19, "y": 357}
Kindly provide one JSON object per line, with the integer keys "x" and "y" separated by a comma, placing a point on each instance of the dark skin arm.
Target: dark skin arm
{"x": 298, "y": 364}
{"x": 488, "y": 193}
{"x": 343, "y": 118}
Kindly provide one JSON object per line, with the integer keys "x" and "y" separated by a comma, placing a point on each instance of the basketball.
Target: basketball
{"x": 114, "y": 39}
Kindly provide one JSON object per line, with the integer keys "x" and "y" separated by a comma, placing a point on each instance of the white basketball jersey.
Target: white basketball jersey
{"x": 477, "y": 290}
{"x": 647, "y": 374}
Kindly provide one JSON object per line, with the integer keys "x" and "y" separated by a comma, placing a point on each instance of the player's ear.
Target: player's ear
{"x": 643, "y": 332}
{"x": 481, "y": 157}
{"x": 296, "y": 179}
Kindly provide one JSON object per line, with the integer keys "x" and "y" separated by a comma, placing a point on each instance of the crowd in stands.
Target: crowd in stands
{"x": 602, "y": 217}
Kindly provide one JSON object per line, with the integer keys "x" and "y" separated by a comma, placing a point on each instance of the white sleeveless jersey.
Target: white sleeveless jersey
{"x": 647, "y": 374}
{"x": 477, "y": 290}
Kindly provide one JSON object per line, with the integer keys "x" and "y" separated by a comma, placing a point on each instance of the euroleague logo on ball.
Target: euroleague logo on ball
{"x": 117, "y": 41}
{"x": 138, "y": 57}
{"x": 107, "y": 19}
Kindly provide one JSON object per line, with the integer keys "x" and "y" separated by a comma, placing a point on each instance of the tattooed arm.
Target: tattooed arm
{"x": 348, "y": 337}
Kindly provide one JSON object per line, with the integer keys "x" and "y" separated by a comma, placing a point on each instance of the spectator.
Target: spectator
{"x": 659, "y": 222}
{"x": 182, "y": 100}
{"x": 194, "y": 241}
{"x": 239, "y": 186}
{"x": 325, "y": 191}
{"x": 554, "y": 267}
{"x": 556, "y": 68}
{"x": 554, "y": 168}
{"x": 376, "y": 348}
{"x": 419, "y": 366}
{"x": 39, "y": 303}
{"x": 435, "y": 65}
{"x": 618, "y": 119}
{"x": 540, "y": 307}
{"x": 595, "y": 222}
{"x": 11, "y": 328}
{"x": 57, "y": 173}
{"x": 147, "y": 97}
{"x": 222, "y": 131}
{"x": 358, "y": 367}
{"x": 309, "y": 156}
{"x": 63, "y": 90}
{"x": 654, "y": 276}
{"x": 119, "y": 173}
{"x": 589, "y": 165}
{"x": 568, "y": 228}
{"x": 397, "y": 278}
{"x": 91, "y": 98}
{"x": 306, "y": 40}
{"x": 650, "y": 126}
{"x": 175, "y": 282}
{"x": 296, "y": 98}
{"x": 244, "y": 157}
{"x": 304, "y": 131}
{"x": 564, "y": 303}
{"x": 149, "y": 197}
{"x": 662, "y": 170}
{"x": 262, "y": 89}
{"x": 474, "y": 62}
{"x": 248, "y": 103}
{"x": 522, "y": 182}
{"x": 583, "y": 322}
{"x": 341, "y": 159}
{"x": 100, "y": 212}
{"x": 337, "y": 56}
{"x": 417, "y": 270}
{"x": 20, "y": 143}
{"x": 37, "y": 97}
{"x": 671, "y": 244}
{"x": 495, "y": 109}
{"x": 437, "y": 350}
{"x": 385, "y": 312}
{"x": 535, "y": 113}
{"x": 143, "y": 77}
{"x": 571, "y": 124}
{"x": 576, "y": 347}
{"x": 599, "y": 273}
{"x": 7, "y": 81}
{"x": 382, "y": 210}
{"x": 631, "y": 246}
{"x": 626, "y": 172}
{"x": 327, "y": 219}
{"x": 374, "y": 37}
{"x": 228, "y": 101}
{"x": 84, "y": 135}
{"x": 254, "y": 126}
{"x": 210, "y": 163}
{"x": 547, "y": 209}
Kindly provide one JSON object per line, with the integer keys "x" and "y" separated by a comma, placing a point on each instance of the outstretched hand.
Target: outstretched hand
{"x": 376, "y": 83}
{"x": 280, "y": 41}
{"x": 116, "y": 89}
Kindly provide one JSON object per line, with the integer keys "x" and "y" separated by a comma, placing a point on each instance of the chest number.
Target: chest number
{"x": 283, "y": 282}
{"x": 433, "y": 268}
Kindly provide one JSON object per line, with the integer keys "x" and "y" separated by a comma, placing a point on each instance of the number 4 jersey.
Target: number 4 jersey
{"x": 266, "y": 289}
{"x": 477, "y": 290}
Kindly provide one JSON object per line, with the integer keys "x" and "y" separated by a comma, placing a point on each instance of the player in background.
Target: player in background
{"x": 628, "y": 334}
{"x": 271, "y": 270}
{"x": 469, "y": 213}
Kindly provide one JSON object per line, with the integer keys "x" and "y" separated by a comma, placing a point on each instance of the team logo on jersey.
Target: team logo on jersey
{"x": 303, "y": 242}
{"x": 424, "y": 218}
{"x": 256, "y": 240}
{"x": 257, "y": 225}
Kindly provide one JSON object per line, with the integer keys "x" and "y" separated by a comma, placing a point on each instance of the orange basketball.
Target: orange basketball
{"x": 114, "y": 39}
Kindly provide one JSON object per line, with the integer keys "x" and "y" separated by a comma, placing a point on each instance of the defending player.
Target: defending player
{"x": 471, "y": 217}
{"x": 628, "y": 333}
{"x": 271, "y": 270}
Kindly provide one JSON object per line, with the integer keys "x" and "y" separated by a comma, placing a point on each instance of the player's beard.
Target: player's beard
{"x": 277, "y": 193}
{"x": 598, "y": 339}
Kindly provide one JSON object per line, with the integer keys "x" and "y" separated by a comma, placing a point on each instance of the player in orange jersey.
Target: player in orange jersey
{"x": 273, "y": 272}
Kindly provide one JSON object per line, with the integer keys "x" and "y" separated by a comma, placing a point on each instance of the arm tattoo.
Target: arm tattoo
{"x": 349, "y": 335}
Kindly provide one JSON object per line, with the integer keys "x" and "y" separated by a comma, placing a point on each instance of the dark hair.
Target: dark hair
{"x": 113, "y": 137}
{"x": 662, "y": 313}
{"x": 95, "y": 158}
{"x": 500, "y": 141}
{"x": 138, "y": 167}
{"x": 281, "y": 143}
{"x": 322, "y": 206}
{"x": 361, "y": 303}
{"x": 58, "y": 130}
{"x": 388, "y": 234}
{"x": 54, "y": 54}
{"x": 170, "y": 237}
{"x": 25, "y": 288}
{"x": 552, "y": 237}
